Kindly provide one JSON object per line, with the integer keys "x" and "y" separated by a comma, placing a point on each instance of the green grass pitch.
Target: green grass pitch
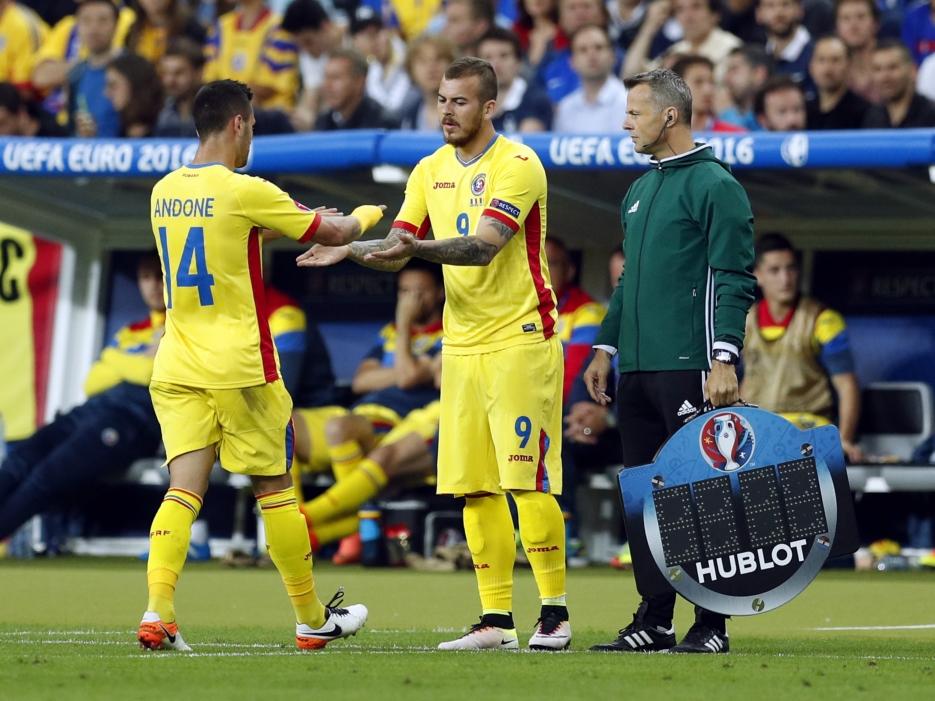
{"x": 67, "y": 632}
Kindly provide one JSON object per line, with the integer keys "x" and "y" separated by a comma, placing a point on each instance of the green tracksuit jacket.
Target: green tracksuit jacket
{"x": 688, "y": 282}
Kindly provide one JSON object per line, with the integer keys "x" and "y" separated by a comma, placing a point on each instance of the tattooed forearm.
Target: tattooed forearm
{"x": 359, "y": 249}
{"x": 469, "y": 250}
{"x": 506, "y": 233}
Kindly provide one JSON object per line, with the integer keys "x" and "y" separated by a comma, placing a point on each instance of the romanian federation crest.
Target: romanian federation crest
{"x": 727, "y": 441}
{"x": 478, "y": 184}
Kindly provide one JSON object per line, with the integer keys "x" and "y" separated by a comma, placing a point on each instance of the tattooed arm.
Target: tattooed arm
{"x": 321, "y": 256}
{"x": 491, "y": 235}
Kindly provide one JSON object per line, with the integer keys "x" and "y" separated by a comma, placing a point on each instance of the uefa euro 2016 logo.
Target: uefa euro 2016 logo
{"x": 727, "y": 441}
{"x": 478, "y": 184}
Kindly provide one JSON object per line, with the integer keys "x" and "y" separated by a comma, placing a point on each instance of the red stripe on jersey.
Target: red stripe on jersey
{"x": 540, "y": 468}
{"x": 312, "y": 228}
{"x": 501, "y": 217}
{"x": 42, "y": 282}
{"x": 533, "y": 226}
{"x": 255, "y": 265}
{"x": 419, "y": 232}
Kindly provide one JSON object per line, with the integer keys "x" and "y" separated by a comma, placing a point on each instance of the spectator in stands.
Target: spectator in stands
{"x": 236, "y": 44}
{"x": 22, "y": 32}
{"x": 133, "y": 88}
{"x": 788, "y": 42}
{"x": 746, "y": 70}
{"x": 857, "y": 22}
{"x": 101, "y": 437}
{"x": 90, "y": 113}
{"x": 780, "y": 105}
{"x": 537, "y": 29}
{"x": 344, "y": 94}
{"x": 63, "y": 49}
{"x": 793, "y": 346}
{"x": 555, "y": 70}
{"x": 834, "y": 106}
{"x": 426, "y": 62}
{"x": 21, "y": 118}
{"x": 894, "y": 79}
{"x": 521, "y": 107}
{"x": 919, "y": 30}
{"x": 628, "y": 16}
{"x": 292, "y": 68}
{"x": 600, "y": 104}
{"x": 387, "y": 80}
{"x": 180, "y": 69}
{"x": 158, "y": 23}
{"x": 698, "y": 74}
{"x": 466, "y": 21}
{"x": 702, "y": 37}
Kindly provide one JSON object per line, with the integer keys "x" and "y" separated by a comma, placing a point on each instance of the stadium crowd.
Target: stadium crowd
{"x": 104, "y": 68}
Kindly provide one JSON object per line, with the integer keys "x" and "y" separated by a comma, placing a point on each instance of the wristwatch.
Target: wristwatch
{"x": 722, "y": 355}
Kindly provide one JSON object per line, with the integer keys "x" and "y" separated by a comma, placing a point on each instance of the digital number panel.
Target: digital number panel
{"x": 716, "y": 517}
{"x": 801, "y": 496}
{"x": 676, "y": 518}
{"x": 759, "y": 492}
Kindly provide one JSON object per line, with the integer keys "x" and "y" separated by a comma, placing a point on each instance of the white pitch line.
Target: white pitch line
{"x": 20, "y": 633}
{"x": 922, "y": 626}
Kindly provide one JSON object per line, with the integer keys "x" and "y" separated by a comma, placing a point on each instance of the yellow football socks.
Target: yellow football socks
{"x": 329, "y": 531}
{"x": 488, "y": 526}
{"x": 289, "y": 549}
{"x": 345, "y": 457}
{"x": 346, "y": 495}
{"x": 542, "y": 530}
{"x": 168, "y": 546}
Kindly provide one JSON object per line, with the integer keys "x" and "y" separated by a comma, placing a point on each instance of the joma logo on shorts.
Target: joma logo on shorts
{"x": 520, "y": 458}
{"x": 444, "y": 186}
{"x": 542, "y": 550}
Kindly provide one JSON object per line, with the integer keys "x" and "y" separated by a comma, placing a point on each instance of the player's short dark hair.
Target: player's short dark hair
{"x": 10, "y": 98}
{"x": 354, "y": 58}
{"x": 303, "y": 14}
{"x": 668, "y": 90}
{"x": 894, "y": 45}
{"x": 685, "y": 62}
{"x": 187, "y": 49}
{"x": 424, "y": 266}
{"x": 217, "y": 103}
{"x": 777, "y": 83}
{"x": 770, "y": 243}
{"x": 468, "y": 67}
{"x": 871, "y": 5}
{"x": 504, "y": 36}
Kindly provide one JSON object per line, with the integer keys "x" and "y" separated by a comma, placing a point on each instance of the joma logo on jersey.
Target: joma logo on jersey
{"x": 444, "y": 186}
{"x": 520, "y": 458}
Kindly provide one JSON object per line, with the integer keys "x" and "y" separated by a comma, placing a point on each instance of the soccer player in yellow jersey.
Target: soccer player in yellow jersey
{"x": 216, "y": 386}
{"x": 484, "y": 197}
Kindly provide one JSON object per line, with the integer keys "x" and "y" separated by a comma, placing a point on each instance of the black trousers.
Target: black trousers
{"x": 648, "y": 405}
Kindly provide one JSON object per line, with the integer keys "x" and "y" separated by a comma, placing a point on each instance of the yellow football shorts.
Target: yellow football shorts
{"x": 315, "y": 421}
{"x": 500, "y": 426}
{"x": 251, "y": 426}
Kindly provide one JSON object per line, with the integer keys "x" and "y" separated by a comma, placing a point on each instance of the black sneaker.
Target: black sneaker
{"x": 703, "y": 639}
{"x": 639, "y": 637}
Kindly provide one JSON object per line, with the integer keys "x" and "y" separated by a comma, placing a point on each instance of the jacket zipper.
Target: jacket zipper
{"x": 639, "y": 264}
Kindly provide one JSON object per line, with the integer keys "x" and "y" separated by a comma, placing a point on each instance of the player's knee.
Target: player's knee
{"x": 339, "y": 429}
{"x": 530, "y": 507}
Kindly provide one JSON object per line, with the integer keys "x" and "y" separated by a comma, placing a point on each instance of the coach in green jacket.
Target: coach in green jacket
{"x": 677, "y": 316}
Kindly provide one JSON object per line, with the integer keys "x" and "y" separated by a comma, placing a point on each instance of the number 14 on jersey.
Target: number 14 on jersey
{"x": 193, "y": 252}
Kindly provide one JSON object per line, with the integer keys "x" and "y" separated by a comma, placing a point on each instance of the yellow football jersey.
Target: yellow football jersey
{"x": 206, "y": 220}
{"x": 21, "y": 34}
{"x": 233, "y": 49}
{"x": 510, "y": 301}
{"x": 62, "y": 43}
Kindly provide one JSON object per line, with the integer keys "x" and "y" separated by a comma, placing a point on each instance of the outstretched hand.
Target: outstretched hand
{"x": 319, "y": 256}
{"x": 405, "y": 247}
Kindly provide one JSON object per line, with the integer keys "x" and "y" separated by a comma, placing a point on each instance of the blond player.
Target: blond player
{"x": 484, "y": 197}
{"x": 216, "y": 386}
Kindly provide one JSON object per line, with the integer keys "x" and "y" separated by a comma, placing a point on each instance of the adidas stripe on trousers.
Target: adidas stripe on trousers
{"x": 651, "y": 406}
